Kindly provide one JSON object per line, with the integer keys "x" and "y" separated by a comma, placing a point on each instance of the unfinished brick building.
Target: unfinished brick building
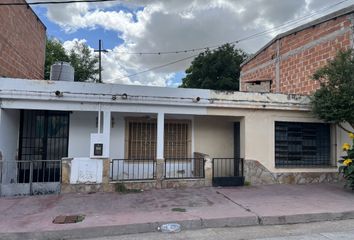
{"x": 22, "y": 42}
{"x": 287, "y": 63}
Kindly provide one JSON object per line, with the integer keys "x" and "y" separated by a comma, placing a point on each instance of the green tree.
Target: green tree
{"x": 54, "y": 52}
{"x": 84, "y": 63}
{"x": 80, "y": 58}
{"x": 217, "y": 70}
{"x": 334, "y": 101}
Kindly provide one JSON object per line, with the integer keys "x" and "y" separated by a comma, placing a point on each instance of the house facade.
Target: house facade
{"x": 91, "y": 134}
{"x": 286, "y": 64}
{"x": 22, "y": 42}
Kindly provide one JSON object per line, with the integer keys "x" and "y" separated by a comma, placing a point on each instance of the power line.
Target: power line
{"x": 54, "y": 2}
{"x": 277, "y": 28}
{"x": 234, "y": 42}
{"x": 157, "y": 67}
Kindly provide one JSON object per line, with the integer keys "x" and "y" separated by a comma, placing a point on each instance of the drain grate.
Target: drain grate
{"x": 68, "y": 219}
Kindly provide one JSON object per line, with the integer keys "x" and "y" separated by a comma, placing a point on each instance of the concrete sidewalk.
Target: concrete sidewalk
{"x": 110, "y": 214}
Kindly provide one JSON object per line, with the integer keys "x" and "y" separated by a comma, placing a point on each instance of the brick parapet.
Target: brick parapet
{"x": 291, "y": 65}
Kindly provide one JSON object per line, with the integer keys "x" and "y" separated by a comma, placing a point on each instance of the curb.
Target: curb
{"x": 106, "y": 231}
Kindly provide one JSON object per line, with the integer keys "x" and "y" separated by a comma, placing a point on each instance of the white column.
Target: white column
{"x": 107, "y": 130}
{"x": 160, "y": 135}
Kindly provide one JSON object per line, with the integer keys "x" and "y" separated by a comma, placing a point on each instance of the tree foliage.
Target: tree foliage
{"x": 80, "y": 58}
{"x": 334, "y": 101}
{"x": 217, "y": 70}
{"x": 54, "y": 52}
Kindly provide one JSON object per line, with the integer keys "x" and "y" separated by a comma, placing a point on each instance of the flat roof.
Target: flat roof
{"x": 63, "y": 91}
{"x": 323, "y": 19}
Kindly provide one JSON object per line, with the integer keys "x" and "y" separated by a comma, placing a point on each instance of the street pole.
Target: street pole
{"x": 100, "y": 50}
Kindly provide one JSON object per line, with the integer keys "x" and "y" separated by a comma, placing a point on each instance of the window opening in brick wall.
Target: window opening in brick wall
{"x": 302, "y": 144}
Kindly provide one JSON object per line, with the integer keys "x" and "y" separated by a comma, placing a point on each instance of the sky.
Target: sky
{"x": 149, "y": 26}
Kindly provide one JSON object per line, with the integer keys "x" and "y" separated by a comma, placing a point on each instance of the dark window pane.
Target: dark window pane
{"x": 302, "y": 144}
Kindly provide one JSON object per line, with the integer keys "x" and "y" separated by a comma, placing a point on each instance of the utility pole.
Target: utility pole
{"x": 100, "y": 50}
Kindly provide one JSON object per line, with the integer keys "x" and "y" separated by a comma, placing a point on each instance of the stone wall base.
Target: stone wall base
{"x": 256, "y": 174}
{"x": 85, "y": 188}
{"x": 135, "y": 185}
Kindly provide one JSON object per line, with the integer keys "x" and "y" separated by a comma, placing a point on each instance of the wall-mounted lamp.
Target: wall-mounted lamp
{"x": 58, "y": 93}
{"x": 124, "y": 96}
{"x": 197, "y": 99}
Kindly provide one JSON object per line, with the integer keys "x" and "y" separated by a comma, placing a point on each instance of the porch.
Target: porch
{"x": 52, "y": 151}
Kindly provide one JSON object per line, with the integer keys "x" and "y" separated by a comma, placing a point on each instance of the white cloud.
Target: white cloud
{"x": 153, "y": 25}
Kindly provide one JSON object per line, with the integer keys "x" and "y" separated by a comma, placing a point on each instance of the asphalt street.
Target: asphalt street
{"x": 332, "y": 230}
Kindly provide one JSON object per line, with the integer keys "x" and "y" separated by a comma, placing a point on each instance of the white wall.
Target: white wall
{"x": 82, "y": 124}
{"x": 9, "y": 132}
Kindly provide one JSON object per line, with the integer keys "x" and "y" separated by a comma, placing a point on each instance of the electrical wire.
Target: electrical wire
{"x": 271, "y": 30}
{"x": 54, "y": 2}
{"x": 211, "y": 47}
{"x": 157, "y": 67}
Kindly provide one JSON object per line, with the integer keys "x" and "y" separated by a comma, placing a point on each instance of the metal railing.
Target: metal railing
{"x": 133, "y": 169}
{"x": 228, "y": 167}
{"x": 30, "y": 171}
{"x": 184, "y": 168}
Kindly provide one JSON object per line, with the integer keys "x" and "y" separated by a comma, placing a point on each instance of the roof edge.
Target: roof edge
{"x": 35, "y": 14}
{"x": 328, "y": 17}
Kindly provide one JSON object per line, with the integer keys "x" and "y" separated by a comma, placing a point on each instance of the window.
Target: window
{"x": 302, "y": 144}
{"x": 141, "y": 139}
{"x": 141, "y": 135}
{"x": 177, "y": 139}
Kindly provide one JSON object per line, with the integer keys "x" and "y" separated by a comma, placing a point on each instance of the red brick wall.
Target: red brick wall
{"x": 22, "y": 43}
{"x": 301, "y": 54}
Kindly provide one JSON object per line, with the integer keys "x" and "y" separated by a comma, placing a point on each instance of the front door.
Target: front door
{"x": 43, "y": 135}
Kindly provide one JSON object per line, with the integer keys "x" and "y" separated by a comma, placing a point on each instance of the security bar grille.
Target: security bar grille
{"x": 302, "y": 144}
{"x": 141, "y": 138}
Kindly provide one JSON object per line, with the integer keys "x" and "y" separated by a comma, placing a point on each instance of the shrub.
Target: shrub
{"x": 347, "y": 167}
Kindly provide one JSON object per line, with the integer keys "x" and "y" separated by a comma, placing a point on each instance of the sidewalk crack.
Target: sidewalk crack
{"x": 259, "y": 218}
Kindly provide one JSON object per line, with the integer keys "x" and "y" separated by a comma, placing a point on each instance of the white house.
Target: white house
{"x": 154, "y": 133}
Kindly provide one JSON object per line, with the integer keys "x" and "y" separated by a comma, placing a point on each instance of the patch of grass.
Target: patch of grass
{"x": 121, "y": 188}
{"x": 80, "y": 218}
{"x": 247, "y": 183}
{"x": 178, "y": 210}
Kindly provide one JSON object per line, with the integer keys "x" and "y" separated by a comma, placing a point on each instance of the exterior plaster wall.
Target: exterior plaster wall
{"x": 291, "y": 60}
{"x": 9, "y": 132}
{"x": 258, "y": 136}
{"x": 22, "y": 42}
{"x": 81, "y": 125}
{"x": 214, "y": 136}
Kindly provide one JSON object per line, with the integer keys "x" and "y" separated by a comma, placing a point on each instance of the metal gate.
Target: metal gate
{"x": 31, "y": 177}
{"x": 43, "y": 142}
{"x": 228, "y": 172}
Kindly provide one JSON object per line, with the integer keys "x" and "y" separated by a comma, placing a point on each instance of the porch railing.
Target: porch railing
{"x": 30, "y": 171}
{"x": 184, "y": 168}
{"x": 228, "y": 167}
{"x": 133, "y": 169}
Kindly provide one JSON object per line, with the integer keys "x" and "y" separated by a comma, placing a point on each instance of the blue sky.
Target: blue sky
{"x": 155, "y": 25}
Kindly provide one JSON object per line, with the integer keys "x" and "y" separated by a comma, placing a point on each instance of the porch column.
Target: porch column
{"x": 160, "y": 162}
{"x": 107, "y": 140}
{"x": 107, "y": 127}
{"x": 160, "y": 135}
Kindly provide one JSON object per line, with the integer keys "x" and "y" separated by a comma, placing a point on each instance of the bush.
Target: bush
{"x": 347, "y": 167}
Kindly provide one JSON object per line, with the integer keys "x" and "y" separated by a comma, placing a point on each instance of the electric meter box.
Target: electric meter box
{"x": 99, "y": 146}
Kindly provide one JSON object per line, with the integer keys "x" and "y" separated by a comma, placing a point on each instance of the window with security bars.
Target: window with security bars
{"x": 302, "y": 144}
{"x": 141, "y": 139}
